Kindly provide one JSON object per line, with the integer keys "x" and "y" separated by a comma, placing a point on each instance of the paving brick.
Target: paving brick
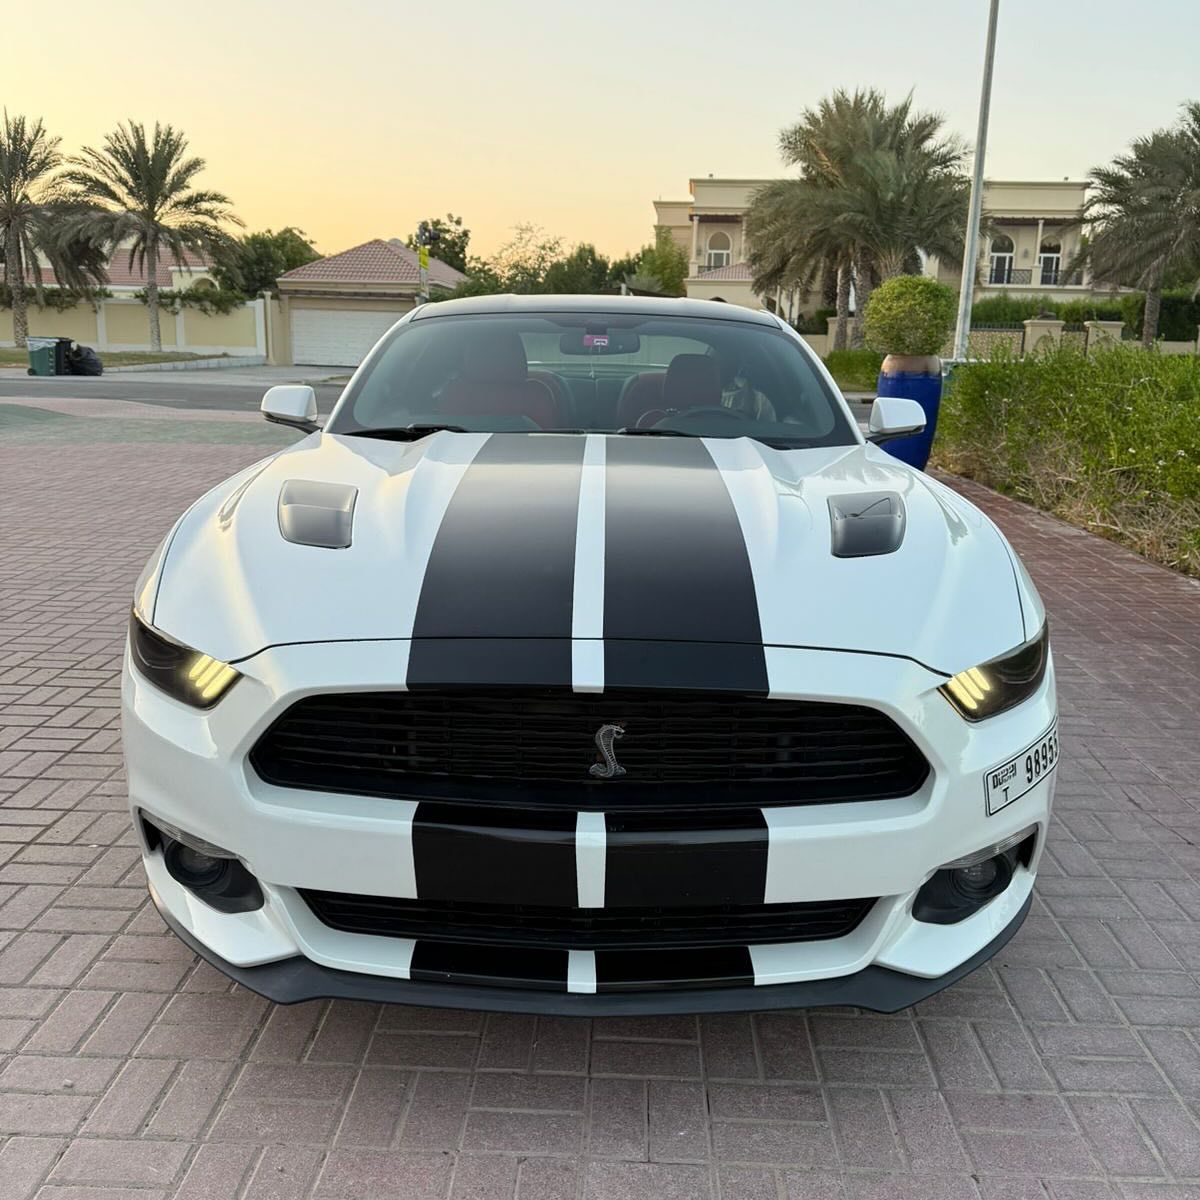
{"x": 217, "y": 1173}
{"x": 862, "y": 1129}
{"x": 927, "y": 1132}
{"x": 120, "y": 1162}
{"x": 284, "y": 1173}
{"x": 423, "y": 1050}
{"x": 368, "y": 1175}
{"x": 621, "y": 1181}
{"x": 376, "y": 1107}
{"x": 1173, "y": 1131}
{"x": 1114, "y": 1136}
{"x": 127, "y": 1103}
{"x": 24, "y": 1162}
{"x": 190, "y": 1100}
{"x": 437, "y": 1111}
{"x": 785, "y": 1046}
{"x": 727, "y": 1040}
{"x": 678, "y": 1122}
{"x": 484, "y": 1177}
{"x": 617, "y": 1125}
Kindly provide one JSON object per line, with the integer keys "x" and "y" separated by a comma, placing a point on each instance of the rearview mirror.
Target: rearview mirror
{"x": 612, "y": 341}
{"x": 292, "y": 404}
{"x": 894, "y": 417}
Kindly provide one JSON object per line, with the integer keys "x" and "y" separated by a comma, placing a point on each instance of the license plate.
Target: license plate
{"x": 1009, "y": 781}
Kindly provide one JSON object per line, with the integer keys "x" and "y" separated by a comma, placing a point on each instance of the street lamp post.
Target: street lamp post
{"x": 966, "y": 291}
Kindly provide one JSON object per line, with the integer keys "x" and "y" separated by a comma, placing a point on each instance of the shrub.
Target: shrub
{"x": 1177, "y": 319}
{"x": 854, "y": 370}
{"x": 1012, "y": 310}
{"x": 58, "y": 298}
{"x": 910, "y": 314}
{"x": 208, "y": 300}
{"x": 1109, "y": 441}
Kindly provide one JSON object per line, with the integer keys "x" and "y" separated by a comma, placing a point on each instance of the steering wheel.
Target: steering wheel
{"x": 656, "y": 416}
{"x": 713, "y": 410}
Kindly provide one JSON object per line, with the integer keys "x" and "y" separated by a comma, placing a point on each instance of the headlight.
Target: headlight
{"x": 196, "y": 679}
{"x": 1001, "y": 684}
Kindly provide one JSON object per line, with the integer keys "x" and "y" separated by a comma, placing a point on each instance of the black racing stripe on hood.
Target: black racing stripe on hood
{"x": 676, "y": 566}
{"x": 503, "y": 562}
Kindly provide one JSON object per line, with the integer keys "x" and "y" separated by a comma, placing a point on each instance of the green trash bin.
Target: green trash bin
{"x": 41, "y": 355}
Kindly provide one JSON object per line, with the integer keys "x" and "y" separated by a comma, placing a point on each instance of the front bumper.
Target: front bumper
{"x": 189, "y": 769}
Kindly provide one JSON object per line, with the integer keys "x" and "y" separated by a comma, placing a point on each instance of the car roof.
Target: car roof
{"x": 649, "y": 306}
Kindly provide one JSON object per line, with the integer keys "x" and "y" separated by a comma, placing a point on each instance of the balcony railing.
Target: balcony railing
{"x": 1050, "y": 276}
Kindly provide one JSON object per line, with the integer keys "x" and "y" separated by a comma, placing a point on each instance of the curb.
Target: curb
{"x": 194, "y": 364}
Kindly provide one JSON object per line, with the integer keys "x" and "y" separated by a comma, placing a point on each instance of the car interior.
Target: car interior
{"x": 536, "y": 373}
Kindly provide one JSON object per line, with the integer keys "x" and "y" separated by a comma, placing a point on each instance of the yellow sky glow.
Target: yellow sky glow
{"x": 356, "y": 120}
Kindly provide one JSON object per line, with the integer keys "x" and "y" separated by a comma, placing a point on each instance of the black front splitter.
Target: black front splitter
{"x": 295, "y": 980}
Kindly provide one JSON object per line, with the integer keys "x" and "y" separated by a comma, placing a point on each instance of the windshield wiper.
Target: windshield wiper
{"x": 633, "y": 431}
{"x": 406, "y": 433}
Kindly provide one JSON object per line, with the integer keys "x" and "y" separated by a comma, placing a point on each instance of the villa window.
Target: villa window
{"x": 1002, "y": 260}
{"x": 1050, "y": 259}
{"x": 720, "y": 251}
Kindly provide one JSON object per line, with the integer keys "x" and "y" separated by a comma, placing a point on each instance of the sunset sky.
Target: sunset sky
{"x": 356, "y": 119}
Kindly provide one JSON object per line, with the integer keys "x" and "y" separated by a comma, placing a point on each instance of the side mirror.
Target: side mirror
{"x": 893, "y": 417}
{"x": 292, "y": 404}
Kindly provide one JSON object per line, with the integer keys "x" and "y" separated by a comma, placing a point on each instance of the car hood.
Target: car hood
{"x": 462, "y": 536}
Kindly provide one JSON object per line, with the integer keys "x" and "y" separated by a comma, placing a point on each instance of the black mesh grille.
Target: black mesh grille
{"x": 538, "y": 745}
{"x": 587, "y": 929}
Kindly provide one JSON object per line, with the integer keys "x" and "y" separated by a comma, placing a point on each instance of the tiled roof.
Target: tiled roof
{"x": 120, "y": 274}
{"x": 376, "y": 261}
{"x": 733, "y": 271}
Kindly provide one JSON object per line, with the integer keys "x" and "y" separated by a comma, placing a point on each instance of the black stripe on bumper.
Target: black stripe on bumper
{"x": 719, "y": 858}
{"x": 475, "y": 854}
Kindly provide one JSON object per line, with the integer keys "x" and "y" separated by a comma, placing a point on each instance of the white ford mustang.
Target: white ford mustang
{"x": 588, "y": 661}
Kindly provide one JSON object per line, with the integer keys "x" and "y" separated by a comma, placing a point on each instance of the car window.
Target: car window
{"x": 594, "y": 372}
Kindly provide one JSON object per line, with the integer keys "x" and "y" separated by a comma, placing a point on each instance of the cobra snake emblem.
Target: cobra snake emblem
{"x": 609, "y": 768}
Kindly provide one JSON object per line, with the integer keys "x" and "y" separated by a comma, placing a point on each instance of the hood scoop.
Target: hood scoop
{"x": 866, "y": 523}
{"x": 317, "y": 514}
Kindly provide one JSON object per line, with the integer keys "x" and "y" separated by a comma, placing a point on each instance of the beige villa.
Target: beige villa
{"x": 1031, "y": 239}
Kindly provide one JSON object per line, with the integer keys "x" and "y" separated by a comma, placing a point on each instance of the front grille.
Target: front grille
{"x": 537, "y": 745}
{"x": 529, "y": 926}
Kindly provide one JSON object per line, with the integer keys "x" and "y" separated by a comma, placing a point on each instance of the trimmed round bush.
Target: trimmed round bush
{"x": 910, "y": 314}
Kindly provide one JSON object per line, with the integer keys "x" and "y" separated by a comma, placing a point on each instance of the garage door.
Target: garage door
{"x": 327, "y": 337}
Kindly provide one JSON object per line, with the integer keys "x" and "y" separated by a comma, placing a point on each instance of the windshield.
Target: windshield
{"x": 597, "y": 372}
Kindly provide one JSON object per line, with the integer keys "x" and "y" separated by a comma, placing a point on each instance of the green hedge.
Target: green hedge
{"x": 1177, "y": 321}
{"x": 854, "y": 370}
{"x": 1110, "y": 442}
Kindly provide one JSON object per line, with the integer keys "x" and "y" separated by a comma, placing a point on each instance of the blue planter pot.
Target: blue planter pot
{"x": 918, "y": 379}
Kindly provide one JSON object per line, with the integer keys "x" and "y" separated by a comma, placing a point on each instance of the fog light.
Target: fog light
{"x": 222, "y": 883}
{"x": 193, "y": 868}
{"x": 978, "y": 879}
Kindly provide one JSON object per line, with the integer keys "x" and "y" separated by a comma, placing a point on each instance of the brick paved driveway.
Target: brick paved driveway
{"x": 1070, "y": 1067}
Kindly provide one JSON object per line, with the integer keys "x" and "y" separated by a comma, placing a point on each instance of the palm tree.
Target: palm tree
{"x": 141, "y": 199}
{"x": 877, "y": 184}
{"x": 1145, "y": 213}
{"x": 29, "y": 158}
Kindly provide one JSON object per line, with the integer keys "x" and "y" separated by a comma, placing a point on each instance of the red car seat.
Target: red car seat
{"x": 495, "y": 381}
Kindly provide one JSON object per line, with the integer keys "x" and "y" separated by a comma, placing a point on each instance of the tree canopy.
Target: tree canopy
{"x": 1144, "y": 215}
{"x": 446, "y": 237}
{"x": 253, "y": 263}
{"x": 136, "y": 192}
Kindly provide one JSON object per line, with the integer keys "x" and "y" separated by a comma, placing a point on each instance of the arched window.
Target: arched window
{"x": 1002, "y": 259}
{"x": 719, "y": 250}
{"x": 1050, "y": 258}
